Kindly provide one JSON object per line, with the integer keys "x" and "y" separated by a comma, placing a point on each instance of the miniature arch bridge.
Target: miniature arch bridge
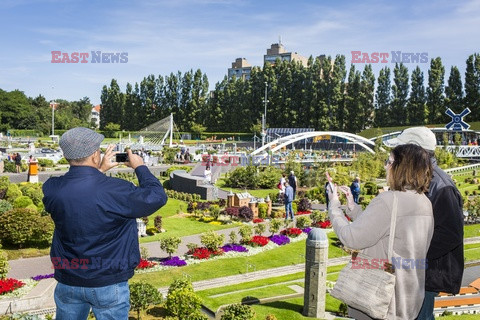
{"x": 279, "y": 143}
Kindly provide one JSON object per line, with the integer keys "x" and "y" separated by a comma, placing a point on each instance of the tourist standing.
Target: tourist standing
{"x": 292, "y": 181}
{"x": 18, "y": 162}
{"x": 355, "y": 189}
{"x": 288, "y": 198}
{"x": 95, "y": 247}
{"x": 445, "y": 255}
{"x": 409, "y": 172}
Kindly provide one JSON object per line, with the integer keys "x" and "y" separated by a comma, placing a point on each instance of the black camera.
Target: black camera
{"x": 121, "y": 157}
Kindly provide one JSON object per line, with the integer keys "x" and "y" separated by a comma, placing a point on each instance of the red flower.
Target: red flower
{"x": 259, "y": 241}
{"x": 257, "y": 220}
{"x": 292, "y": 232}
{"x": 302, "y": 212}
{"x": 204, "y": 253}
{"x": 325, "y": 224}
{"x": 9, "y": 284}
{"x": 145, "y": 264}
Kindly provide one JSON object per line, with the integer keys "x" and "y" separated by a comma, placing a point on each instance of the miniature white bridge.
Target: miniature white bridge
{"x": 279, "y": 143}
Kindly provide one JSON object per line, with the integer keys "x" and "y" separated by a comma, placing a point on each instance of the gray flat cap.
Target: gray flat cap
{"x": 78, "y": 143}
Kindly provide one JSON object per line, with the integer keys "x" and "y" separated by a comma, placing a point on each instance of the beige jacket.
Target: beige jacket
{"x": 370, "y": 231}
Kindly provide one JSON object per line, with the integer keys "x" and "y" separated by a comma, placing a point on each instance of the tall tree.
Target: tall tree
{"x": 416, "y": 114}
{"x": 472, "y": 86}
{"x": 353, "y": 112}
{"x": 400, "y": 95}
{"x": 336, "y": 90}
{"x": 435, "y": 92}
{"x": 367, "y": 93}
{"x": 112, "y": 105}
{"x": 454, "y": 91}
{"x": 383, "y": 99}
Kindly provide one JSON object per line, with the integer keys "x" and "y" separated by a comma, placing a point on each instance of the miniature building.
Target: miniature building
{"x": 245, "y": 199}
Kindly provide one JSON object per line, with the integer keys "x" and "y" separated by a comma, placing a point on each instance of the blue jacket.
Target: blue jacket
{"x": 95, "y": 242}
{"x": 288, "y": 194}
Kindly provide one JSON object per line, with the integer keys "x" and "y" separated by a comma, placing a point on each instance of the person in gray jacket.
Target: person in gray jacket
{"x": 445, "y": 255}
{"x": 409, "y": 173}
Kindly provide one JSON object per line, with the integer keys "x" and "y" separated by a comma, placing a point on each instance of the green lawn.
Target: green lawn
{"x": 258, "y": 193}
{"x": 177, "y": 225}
{"x": 471, "y": 230}
{"x": 472, "y": 251}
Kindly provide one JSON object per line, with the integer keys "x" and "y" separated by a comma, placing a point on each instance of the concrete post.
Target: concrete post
{"x": 315, "y": 273}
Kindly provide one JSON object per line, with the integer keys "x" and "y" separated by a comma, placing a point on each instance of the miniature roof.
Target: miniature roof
{"x": 243, "y": 195}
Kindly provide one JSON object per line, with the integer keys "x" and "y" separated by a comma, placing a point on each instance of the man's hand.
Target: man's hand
{"x": 133, "y": 160}
{"x": 332, "y": 194}
{"x": 349, "y": 196}
{"x": 107, "y": 163}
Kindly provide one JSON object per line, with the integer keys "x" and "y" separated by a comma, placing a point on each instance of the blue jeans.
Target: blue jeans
{"x": 426, "y": 313}
{"x": 109, "y": 302}
{"x": 288, "y": 208}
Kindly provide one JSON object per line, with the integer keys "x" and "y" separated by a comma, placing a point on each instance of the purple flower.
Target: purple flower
{"x": 42, "y": 276}
{"x": 174, "y": 261}
{"x": 234, "y": 247}
{"x": 306, "y": 230}
{"x": 280, "y": 239}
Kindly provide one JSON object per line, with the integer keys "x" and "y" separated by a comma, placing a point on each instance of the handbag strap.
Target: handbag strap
{"x": 393, "y": 224}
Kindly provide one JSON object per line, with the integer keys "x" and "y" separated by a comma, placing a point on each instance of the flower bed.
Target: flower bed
{"x": 145, "y": 264}
{"x": 234, "y": 247}
{"x": 280, "y": 239}
{"x": 324, "y": 225}
{"x": 257, "y": 220}
{"x": 291, "y": 232}
{"x": 306, "y": 230}
{"x": 43, "y": 276}
{"x": 258, "y": 241}
{"x": 299, "y": 213}
{"x": 174, "y": 261}
{"x": 9, "y": 285}
{"x": 204, "y": 253}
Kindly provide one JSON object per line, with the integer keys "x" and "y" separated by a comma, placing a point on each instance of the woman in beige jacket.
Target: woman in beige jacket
{"x": 408, "y": 176}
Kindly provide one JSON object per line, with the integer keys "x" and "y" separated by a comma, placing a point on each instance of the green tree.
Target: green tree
{"x": 170, "y": 245}
{"x": 400, "y": 94}
{"x": 383, "y": 99}
{"x": 16, "y": 111}
{"x": 435, "y": 92}
{"x": 472, "y": 86}
{"x": 454, "y": 91}
{"x": 353, "y": 112}
{"x": 143, "y": 295}
{"x": 367, "y": 94}
{"x": 416, "y": 102}
{"x": 336, "y": 90}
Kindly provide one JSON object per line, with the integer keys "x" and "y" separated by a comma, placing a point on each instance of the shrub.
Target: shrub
{"x": 294, "y": 207}
{"x": 191, "y": 247}
{"x": 45, "y": 163}
{"x": 13, "y": 192}
{"x": 262, "y": 210}
{"x": 214, "y": 211}
{"x": 9, "y": 166}
{"x": 157, "y": 222}
{"x": 259, "y": 229}
{"x": 4, "y": 182}
{"x": 35, "y": 194}
{"x": 142, "y": 295}
{"x": 278, "y": 213}
{"x": 4, "y": 267}
{"x": 270, "y": 317}
{"x": 21, "y": 226}
{"x": 245, "y": 232}
{"x": 231, "y": 211}
{"x": 182, "y": 302}
{"x": 212, "y": 241}
{"x": 370, "y": 188}
{"x": 245, "y": 213}
{"x": 22, "y": 202}
{"x": 5, "y": 206}
{"x": 275, "y": 225}
{"x": 238, "y": 312}
{"x": 62, "y": 161}
{"x": 233, "y": 237}
{"x": 303, "y": 222}
{"x": 243, "y": 177}
{"x": 144, "y": 253}
{"x": 304, "y": 204}
{"x": 318, "y": 216}
{"x": 170, "y": 245}
{"x": 268, "y": 178}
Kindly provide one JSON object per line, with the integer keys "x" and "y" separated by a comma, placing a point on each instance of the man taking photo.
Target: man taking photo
{"x": 95, "y": 243}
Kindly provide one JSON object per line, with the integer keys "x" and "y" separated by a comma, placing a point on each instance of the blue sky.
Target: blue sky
{"x": 166, "y": 36}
